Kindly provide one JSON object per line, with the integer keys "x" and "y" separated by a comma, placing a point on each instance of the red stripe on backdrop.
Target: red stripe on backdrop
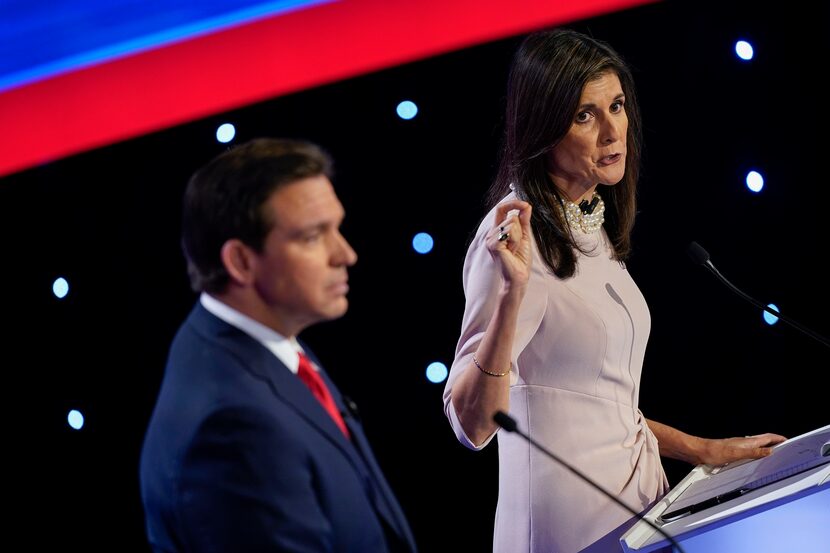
{"x": 160, "y": 88}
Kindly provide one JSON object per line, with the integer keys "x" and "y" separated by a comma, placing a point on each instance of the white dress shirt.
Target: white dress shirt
{"x": 286, "y": 349}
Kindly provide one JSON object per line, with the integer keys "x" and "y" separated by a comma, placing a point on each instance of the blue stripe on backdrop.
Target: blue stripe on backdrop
{"x": 36, "y": 43}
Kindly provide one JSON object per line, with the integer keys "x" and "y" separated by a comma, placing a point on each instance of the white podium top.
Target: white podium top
{"x": 710, "y": 497}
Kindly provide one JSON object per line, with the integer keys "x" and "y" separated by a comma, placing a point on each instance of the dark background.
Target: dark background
{"x": 108, "y": 221}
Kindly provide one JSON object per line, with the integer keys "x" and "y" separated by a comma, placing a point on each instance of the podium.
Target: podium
{"x": 780, "y": 503}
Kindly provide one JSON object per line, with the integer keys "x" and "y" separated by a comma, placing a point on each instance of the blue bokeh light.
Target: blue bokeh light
{"x": 75, "y": 419}
{"x": 60, "y": 288}
{"x": 422, "y": 243}
{"x": 225, "y": 133}
{"x": 407, "y": 109}
{"x": 755, "y": 181}
{"x": 744, "y": 50}
{"x": 769, "y": 318}
{"x": 437, "y": 372}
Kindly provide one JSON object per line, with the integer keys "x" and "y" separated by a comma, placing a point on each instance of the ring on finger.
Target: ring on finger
{"x": 504, "y": 236}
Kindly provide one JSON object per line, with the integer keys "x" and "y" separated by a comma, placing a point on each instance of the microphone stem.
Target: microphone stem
{"x": 756, "y": 303}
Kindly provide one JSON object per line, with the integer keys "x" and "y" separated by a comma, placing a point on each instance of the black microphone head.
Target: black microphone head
{"x": 505, "y": 421}
{"x": 698, "y": 254}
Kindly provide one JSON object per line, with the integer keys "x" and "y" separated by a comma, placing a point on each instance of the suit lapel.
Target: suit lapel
{"x": 382, "y": 497}
{"x": 381, "y": 494}
{"x": 284, "y": 384}
{"x": 289, "y": 389}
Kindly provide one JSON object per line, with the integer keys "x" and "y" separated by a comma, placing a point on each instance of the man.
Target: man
{"x": 250, "y": 447}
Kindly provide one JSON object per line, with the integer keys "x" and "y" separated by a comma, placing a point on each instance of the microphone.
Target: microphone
{"x": 508, "y": 423}
{"x": 588, "y": 208}
{"x": 701, "y": 257}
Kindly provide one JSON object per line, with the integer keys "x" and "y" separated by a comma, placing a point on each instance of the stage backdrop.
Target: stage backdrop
{"x": 107, "y": 220}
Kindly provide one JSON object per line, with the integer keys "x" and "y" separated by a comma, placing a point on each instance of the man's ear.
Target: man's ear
{"x": 239, "y": 261}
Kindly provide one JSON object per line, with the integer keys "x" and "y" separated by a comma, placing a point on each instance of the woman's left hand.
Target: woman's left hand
{"x": 729, "y": 450}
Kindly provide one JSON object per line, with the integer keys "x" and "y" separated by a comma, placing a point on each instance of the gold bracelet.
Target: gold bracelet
{"x": 485, "y": 371}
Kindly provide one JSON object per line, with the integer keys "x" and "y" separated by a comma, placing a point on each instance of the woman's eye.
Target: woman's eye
{"x": 583, "y": 117}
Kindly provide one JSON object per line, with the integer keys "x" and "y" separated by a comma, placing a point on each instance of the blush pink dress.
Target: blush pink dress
{"x": 574, "y": 387}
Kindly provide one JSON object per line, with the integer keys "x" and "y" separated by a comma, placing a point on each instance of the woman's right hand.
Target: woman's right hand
{"x": 512, "y": 252}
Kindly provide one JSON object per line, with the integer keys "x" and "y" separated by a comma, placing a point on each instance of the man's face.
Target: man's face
{"x": 301, "y": 274}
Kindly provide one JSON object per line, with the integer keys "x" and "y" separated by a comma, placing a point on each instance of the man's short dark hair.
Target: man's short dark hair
{"x": 224, "y": 200}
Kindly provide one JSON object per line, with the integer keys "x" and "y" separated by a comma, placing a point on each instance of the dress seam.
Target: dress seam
{"x": 529, "y": 474}
{"x": 570, "y": 392}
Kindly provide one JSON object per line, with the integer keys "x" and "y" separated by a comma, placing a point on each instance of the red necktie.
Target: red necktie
{"x": 315, "y": 383}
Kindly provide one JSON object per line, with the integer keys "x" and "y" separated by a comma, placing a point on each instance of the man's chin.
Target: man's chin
{"x": 337, "y": 309}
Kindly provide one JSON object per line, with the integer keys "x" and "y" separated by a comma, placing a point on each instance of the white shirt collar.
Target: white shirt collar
{"x": 285, "y": 349}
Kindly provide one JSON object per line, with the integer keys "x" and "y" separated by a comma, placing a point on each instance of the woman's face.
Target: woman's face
{"x": 593, "y": 150}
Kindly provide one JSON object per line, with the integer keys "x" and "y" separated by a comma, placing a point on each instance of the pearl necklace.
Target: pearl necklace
{"x": 588, "y": 223}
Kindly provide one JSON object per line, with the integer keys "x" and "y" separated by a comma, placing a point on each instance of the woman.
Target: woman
{"x": 554, "y": 328}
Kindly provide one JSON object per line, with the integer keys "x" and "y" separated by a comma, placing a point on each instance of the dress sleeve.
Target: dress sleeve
{"x": 482, "y": 282}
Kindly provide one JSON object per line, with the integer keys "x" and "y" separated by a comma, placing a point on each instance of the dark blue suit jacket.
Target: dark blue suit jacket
{"x": 239, "y": 456}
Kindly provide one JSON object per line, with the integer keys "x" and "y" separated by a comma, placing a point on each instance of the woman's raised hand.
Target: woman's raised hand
{"x": 509, "y": 242}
